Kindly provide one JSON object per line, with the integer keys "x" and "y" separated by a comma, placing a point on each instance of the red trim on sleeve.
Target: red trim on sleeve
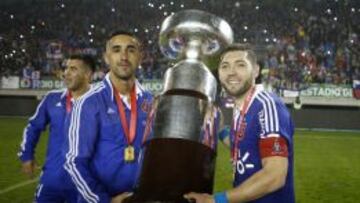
{"x": 273, "y": 146}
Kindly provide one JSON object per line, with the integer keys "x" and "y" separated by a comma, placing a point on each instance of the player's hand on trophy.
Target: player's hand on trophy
{"x": 29, "y": 167}
{"x": 119, "y": 198}
{"x": 199, "y": 197}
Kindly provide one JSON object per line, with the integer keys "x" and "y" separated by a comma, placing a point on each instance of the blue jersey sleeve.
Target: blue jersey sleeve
{"x": 274, "y": 118}
{"x": 81, "y": 140}
{"x": 37, "y": 123}
{"x": 286, "y": 126}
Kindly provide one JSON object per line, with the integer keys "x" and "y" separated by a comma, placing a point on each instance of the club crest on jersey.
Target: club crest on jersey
{"x": 146, "y": 106}
{"x": 276, "y": 147}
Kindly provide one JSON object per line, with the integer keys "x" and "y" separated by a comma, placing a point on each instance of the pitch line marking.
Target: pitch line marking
{"x": 325, "y": 137}
{"x": 16, "y": 186}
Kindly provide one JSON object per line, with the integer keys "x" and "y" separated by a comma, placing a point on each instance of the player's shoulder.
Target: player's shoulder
{"x": 93, "y": 93}
{"x": 270, "y": 103}
{"x": 89, "y": 102}
{"x": 55, "y": 94}
{"x": 269, "y": 98}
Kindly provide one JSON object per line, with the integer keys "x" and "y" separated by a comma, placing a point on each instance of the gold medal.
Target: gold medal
{"x": 129, "y": 151}
{"x": 129, "y": 154}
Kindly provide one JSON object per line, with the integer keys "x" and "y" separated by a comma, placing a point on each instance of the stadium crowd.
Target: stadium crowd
{"x": 300, "y": 42}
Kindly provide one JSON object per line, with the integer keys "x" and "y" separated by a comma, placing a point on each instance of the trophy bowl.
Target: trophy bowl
{"x": 194, "y": 34}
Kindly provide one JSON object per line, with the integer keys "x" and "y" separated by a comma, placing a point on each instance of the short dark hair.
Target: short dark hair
{"x": 241, "y": 47}
{"x": 123, "y": 32}
{"x": 87, "y": 59}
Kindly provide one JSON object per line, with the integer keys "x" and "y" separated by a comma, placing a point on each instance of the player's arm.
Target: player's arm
{"x": 31, "y": 134}
{"x": 273, "y": 146}
{"x": 224, "y": 131}
{"x": 267, "y": 180}
{"x": 270, "y": 178}
{"x": 81, "y": 141}
{"x": 224, "y": 136}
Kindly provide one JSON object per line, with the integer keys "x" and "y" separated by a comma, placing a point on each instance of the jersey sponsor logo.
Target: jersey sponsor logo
{"x": 242, "y": 164}
{"x": 58, "y": 104}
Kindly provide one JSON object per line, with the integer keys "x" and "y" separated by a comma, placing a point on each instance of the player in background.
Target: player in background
{"x": 55, "y": 185}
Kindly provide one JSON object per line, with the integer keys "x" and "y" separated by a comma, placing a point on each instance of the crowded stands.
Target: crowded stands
{"x": 300, "y": 42}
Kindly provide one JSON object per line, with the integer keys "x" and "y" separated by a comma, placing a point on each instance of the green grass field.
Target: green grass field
{"x": 327, "y": 166}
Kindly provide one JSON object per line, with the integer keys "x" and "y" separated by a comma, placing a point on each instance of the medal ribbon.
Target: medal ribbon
{"x": 239, "y": 133}
{"x": 130, "y": 136}
{"x": 68, "y": 101}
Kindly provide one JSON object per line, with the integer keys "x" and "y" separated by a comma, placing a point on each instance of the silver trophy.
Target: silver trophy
{"x": 181, "y": 156}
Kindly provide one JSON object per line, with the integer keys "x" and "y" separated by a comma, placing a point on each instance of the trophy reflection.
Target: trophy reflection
{"x": 181, "y": 156}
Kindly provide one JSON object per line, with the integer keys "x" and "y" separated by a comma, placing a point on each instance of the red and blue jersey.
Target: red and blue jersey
{"x": 96, "y": 142}
{"x": 268, "y": 131}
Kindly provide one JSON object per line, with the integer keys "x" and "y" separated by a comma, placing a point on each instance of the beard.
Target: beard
{"x": 240, "y": 91}
{"x": 69, "y": 84}
{"x": 73, "y": 86}
{"x": 123, "y": 76}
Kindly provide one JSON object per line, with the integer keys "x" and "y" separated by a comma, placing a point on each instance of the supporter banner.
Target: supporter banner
{"x": 54, "y": 50}
{"x": 154, "y": 86}
{"x": 11, "y": 82}
{"x": 316, "y": 90}
{"x": 290, "y": 93}
{"x": 41, "y": 84}
{"x": 356, "y": 89}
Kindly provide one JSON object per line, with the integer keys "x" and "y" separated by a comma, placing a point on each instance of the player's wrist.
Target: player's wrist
{"x": 26, "y": 158}
{"x": 221, "y": 197}
{"x": 224, "y": 133}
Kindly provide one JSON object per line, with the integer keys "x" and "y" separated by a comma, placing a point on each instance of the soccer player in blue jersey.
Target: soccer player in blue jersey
{"x": 106, "y": 129}
{"x": 260, "y": 136}
{"x": 55, "y": 185}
